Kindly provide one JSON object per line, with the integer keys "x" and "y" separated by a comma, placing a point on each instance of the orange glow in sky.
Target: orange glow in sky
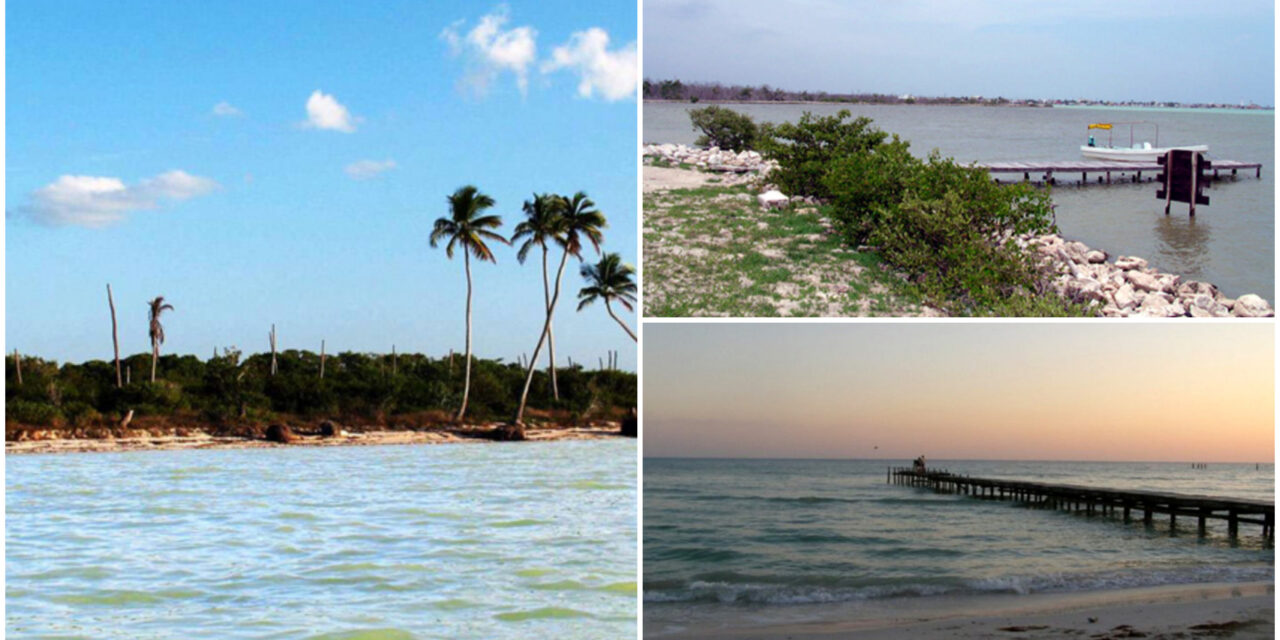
{"x": 1030, "y": 391}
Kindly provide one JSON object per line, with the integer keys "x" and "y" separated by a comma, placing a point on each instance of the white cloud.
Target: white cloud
{"x": 365, "y": 169}
{"x": 90, "y": 201}
{"x": 325, "y": 112}
{"x": 491, "y": 50}
{"x": 226, "y": 109}
{"x": 612, "y": 74}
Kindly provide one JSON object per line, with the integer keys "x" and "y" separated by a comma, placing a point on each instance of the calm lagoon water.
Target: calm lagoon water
{"x": 450, "y": 541}
{"x": 735, "y": 540}
{"x": 1229, "y": 243}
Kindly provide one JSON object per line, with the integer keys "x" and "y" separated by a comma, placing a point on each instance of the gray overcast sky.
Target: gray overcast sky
{"x": 1180, "y": 50}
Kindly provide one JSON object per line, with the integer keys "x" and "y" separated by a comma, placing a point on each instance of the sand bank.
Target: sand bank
{"x": 476, "y": 434}
{"x": 1182, "y": 611}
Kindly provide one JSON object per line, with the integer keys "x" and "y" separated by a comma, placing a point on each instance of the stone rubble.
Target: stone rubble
{"x": 712, "y": 159}
{"x": 1129, "y": 287}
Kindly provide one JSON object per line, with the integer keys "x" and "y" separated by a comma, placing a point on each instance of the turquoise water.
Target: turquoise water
{"x": 451, "y": 541}
{"x": 724, "y": 539}
{"x": 1229, "y": 243}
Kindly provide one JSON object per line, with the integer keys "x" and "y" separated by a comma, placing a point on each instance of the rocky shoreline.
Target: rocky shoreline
{"x": 1127, "y": 287}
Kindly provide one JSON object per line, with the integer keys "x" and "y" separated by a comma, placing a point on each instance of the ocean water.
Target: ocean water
{"x": 1229, "y": 243}
{"x": 450, "y": 541}
{"x": 761, "y": 539}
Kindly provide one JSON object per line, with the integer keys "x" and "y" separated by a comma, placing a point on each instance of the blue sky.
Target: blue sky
{"x": 283, "y": 162}
{"x": 1167, "y": 50}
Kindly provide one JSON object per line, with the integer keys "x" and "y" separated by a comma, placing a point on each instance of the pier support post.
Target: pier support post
{"x": 1146, "y": 514}
{"x": 1126, "y": 513}
{"x": 1233, "y": 524}
{"x": 1203, "y": 512}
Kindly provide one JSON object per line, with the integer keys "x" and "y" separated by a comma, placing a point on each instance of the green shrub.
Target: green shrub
{"x": 807, "y": 149}
{"x": 944, "y": 246}
{"x": 861, "y": 185}
{"x": 724, "y": 128}
{"x": 32, "y": 413}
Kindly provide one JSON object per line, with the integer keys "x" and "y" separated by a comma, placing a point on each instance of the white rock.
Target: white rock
{"x": 1251, "y": 306}
{"x": 1124, "y": 297}
{"x": 773, "y": 199}
{"x": 1129, "y": 263}
{"x": 1095, "y": 257}
{"x": 1143, "y": 281}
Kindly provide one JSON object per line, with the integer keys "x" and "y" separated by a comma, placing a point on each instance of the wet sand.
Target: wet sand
{"x": 1182, "y": 611}
{"x": 204, "y": 441}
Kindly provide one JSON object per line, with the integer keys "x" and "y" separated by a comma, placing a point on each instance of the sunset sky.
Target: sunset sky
{"x": 1031, "y": 391}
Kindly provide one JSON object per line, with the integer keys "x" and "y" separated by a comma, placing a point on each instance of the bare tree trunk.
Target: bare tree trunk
{"x": 322, "y": 359}
{"x": 393, "y": 360}
{"x": 273, "y": 349}
{"x": 128, "y": 374}
{"x": 620, "y": 322}
{"x": 551, "y": 334}
{"x": 155, "y": 354}
{"x": 601, "y": 367}
{"x": 546, "y": 329}
{"x": 466, "y": 384}
{"x": 17, "y": 365}
{"x": 115, "y": 340}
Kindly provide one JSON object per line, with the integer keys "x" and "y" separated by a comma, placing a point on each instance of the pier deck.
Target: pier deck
{"x": 1100, "y": 500}
{"x": 1043, "y": 172}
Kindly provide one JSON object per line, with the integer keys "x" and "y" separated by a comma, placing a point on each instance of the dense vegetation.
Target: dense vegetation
{"x": 944, "y": 225}
{"x": 357, "y": 388}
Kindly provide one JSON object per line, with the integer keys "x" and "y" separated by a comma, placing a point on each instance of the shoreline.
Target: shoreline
{"x": 381, "y": 437}
{"x": 1243, "y": 610}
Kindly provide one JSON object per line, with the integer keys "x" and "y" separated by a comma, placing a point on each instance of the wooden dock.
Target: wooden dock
{"x": 1098, "y": 500}
{"x": 1102, "y": 170}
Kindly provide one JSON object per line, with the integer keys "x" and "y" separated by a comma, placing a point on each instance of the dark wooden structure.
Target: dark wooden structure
{"x": 1044, "y": 172}
{"x": 1183, "y": 179}
{"x": 1099, "y": 500}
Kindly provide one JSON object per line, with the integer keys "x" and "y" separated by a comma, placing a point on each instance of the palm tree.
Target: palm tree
{"x": 544, "y": 222}
{"x": 609, "y": 280}
{"x": 581, "y": 220}
{"x": 467, "y": 227}
{"x": 157, "y": 307}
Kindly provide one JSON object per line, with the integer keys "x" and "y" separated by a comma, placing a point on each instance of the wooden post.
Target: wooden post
{"x": 322, "y": 359}
{"x": 1173, "y": 520}
{"x": 115, "y": 339}
{"x": 1195, "y": 169}
{"x": 1146, "y": 514}
{"x": 273, "y": 348}
{"x": 1168, "y": 180}
{"x": 1200, "y": 529}
{"x": 17, "y": 365}
{"x": 1233, "y": 523}
{"x": 394, "y": 362}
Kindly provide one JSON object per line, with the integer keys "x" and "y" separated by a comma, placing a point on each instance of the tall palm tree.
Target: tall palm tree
{"x": 157, "y": 307}
{"x": 581, "y": 221}
{"x": 544, "y": 222}
{"x": 467, "y": 226}
{"x": 609, "y": 280}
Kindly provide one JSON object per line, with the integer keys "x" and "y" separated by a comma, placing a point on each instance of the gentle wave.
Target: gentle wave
{"x": 765, "y": 593}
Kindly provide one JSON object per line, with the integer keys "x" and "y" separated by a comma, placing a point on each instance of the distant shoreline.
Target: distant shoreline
{"x": 919, "y": 103}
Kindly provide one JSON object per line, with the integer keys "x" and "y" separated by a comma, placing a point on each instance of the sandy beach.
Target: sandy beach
{"x": 1182, "y": 611}
{"x": 467, "y": 434}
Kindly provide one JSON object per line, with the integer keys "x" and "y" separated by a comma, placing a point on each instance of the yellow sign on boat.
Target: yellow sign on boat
{"x": 1100, "y": 125}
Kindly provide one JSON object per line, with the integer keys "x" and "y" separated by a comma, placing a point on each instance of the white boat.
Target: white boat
{"x": 1135, "y": 152}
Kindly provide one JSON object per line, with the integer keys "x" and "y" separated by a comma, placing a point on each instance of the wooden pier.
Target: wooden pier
{"x": 1103, "y": 170}
{"x": 1098, "y": 500}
